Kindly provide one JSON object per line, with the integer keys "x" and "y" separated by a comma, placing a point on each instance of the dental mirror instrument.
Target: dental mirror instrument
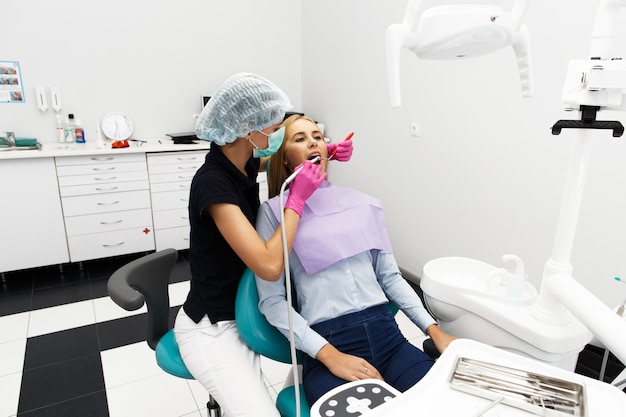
{"x": 335, "y": 151}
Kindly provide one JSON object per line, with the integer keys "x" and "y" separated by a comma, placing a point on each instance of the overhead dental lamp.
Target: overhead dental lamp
{"x": 455, "y": 32}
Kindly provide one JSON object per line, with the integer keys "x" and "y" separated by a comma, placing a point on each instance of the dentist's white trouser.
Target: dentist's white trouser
{"x": 225, "y": 366}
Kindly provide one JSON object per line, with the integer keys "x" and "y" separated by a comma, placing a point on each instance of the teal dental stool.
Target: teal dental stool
{"x": 146, "y": 279}
{"x": 266, "y": 340}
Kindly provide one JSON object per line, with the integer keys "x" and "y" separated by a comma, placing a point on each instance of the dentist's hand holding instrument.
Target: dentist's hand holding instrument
{"x": 341, "y": 151}
{"x": 306, "y": 178}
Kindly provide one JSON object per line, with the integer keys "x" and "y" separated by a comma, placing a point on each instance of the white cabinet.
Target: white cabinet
{"x": 106, "y": 205}
{"x": 32, "y": 232}
{"x": 170, "y": 179}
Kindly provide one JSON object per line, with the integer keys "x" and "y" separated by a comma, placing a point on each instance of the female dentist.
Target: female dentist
{"x": 242, "y": 120}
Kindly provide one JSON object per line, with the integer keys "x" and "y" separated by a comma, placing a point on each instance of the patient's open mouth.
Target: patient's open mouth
{"x": 315, "y": 159}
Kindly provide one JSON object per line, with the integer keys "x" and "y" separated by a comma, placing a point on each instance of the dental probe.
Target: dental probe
{"x": 335, "y": 151}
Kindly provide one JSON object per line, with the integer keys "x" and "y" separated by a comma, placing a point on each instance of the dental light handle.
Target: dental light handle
{"x": 521, "y": 47}
{"x": 454, "y": 32}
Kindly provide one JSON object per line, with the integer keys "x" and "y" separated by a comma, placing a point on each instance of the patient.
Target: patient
{"x": 344, "y": 274}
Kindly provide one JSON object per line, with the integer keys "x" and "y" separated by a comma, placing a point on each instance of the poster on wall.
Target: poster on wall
{"x": 11, "y": 89}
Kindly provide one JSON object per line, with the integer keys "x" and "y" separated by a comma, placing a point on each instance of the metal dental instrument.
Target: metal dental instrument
{"x": 335, "y": 151}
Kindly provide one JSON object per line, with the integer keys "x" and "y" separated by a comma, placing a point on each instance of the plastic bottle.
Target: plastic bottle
{"x": 79, "y": 132}
{"x": 68, "y": 129}
{"x": 60, "y": 129}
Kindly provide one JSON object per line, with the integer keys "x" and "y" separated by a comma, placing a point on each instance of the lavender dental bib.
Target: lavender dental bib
{"x": 337, "y": 223}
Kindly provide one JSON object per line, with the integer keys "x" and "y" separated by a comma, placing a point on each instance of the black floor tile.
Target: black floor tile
{"x": 92, "y": 405}
{"x": 61, "y": 346}
{"x": 59, "y": 275}
{"x": 15, "y": 303}
{"x": 61, "y": 382}
{"x": 99, "y": 287}
{"x": 103, "y": 268}
{"x": 122, "y": 332}
{"x": 17, "y": 281}
{"x": 181, "y": 271}
{"x": 61, "y": 294}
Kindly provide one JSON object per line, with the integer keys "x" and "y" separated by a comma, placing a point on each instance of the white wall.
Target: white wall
{"x": 486, "y": 176}
{"x": 150, "y": 59}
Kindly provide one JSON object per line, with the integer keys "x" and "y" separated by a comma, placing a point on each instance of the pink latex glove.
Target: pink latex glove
{"x": 305, "y": 184}
{"x": 343, "y": 150}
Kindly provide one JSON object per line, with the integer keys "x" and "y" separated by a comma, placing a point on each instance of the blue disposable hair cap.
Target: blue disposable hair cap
{"x": 244, "y": 103}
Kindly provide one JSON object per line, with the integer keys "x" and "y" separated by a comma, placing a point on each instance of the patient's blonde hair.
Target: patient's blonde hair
{"x": 279, "y": 169}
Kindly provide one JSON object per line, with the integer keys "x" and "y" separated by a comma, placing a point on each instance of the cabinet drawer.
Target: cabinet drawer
{"x": 91, "y": 204}
{"x": 170, "y": 200}
{"x": 171, "y": 218}
{"x": 160, "y": 187}
{"x": 102, "y": 169}
{"x": 95, "y": 159}
{"x": 109, "y": 178}
{"x": 171, "y": 176}
{"x": 107, "y": 222}
{"x": 103, "y": 188}
{"x": 176, "y": 158}
{"x": 180, "y": 168}
{"x": 103, "y": 245}
{"x": 177, "y": 238}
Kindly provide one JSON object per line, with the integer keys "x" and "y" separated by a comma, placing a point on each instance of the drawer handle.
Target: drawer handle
{"x": 106, "y": 189}
{"x": 105, "y": 179}
{"x": 103, "y": 169}
{"x": 184, "y": 199}
{"x": 185, "y": 177}
{"x": 112, "y": 246}
{"x": 185, "y": 238}
{"x": 189, "y": 158}
{"x": 102, "y": 158}
{"x": 188, "y": 168}
{"x": 184, "y": 217}
{"x": 115, "y": 222}
{"x": 108, "y": 204}
{"x": 185, "y": 186}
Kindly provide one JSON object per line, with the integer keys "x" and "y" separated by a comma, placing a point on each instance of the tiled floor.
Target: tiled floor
{"x": 67, "y": 350}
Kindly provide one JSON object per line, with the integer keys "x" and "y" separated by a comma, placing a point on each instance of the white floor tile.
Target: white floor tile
{"x": 12, "y": 357}
{"x": 408, "y": 329}
{"x": 195, "y": 414}
{"x": 54, "y": 319}
{"x": 14, "y": 327}
{"x": 275, "y": 372}
{"x": 178, "y": 293}
{"x": 10, "y": 389}
{"x": 161, "y": 395}
{"x": 199, "y": 394}
{"x": 105, "y": 309}
{"x": 128, "y": 364}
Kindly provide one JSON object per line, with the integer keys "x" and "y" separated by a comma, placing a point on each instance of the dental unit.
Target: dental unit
{"x": 475, "y": 300}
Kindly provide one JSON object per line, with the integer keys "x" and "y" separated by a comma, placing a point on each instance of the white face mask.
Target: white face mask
{"x": 274, "y": 140}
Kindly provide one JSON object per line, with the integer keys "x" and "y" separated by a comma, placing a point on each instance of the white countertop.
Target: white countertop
{"x": 53, "y": 149}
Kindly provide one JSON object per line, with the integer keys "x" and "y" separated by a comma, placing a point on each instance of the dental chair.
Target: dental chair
{"x": 266, "y": 340}
{"x": 146, "y": 279}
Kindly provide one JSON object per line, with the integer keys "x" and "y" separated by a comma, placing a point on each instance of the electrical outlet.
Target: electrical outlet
{"x": 415, "y": 129}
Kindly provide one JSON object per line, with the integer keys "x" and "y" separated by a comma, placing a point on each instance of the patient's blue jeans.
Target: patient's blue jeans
{"x": 373, "y": 335}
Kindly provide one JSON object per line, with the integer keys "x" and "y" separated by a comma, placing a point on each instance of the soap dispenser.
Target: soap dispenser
{"x": 515, "y": 281}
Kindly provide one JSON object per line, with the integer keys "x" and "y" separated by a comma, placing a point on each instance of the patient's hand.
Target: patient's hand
{"x": 440, "y": 338}
{"x": 344, "y": 366}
